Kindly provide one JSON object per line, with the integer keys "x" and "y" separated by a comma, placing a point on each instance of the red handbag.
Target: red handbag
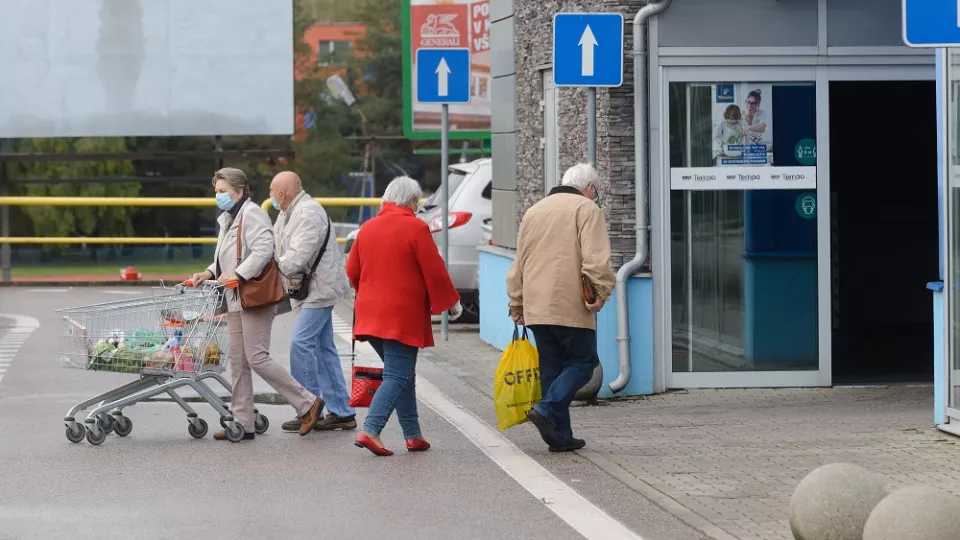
{"x": 364, "y": 380}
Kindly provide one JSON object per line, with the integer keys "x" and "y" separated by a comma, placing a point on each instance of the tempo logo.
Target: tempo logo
{"x": 522, "y": 376}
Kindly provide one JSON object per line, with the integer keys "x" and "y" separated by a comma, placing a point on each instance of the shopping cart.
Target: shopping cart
{"x": 172, "y": 339}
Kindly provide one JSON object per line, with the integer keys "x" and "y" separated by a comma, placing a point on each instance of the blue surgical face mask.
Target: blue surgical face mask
{"x": 276, "y": 203}
{"x": 224, "y": 202}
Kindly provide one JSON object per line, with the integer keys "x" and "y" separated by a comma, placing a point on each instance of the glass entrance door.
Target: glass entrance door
{"x": 743, "y": 243}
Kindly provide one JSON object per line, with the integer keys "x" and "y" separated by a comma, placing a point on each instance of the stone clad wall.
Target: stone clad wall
{"x": 533, "y": 24}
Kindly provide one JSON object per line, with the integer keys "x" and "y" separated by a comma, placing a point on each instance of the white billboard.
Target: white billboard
{"x": 84, "y": 68}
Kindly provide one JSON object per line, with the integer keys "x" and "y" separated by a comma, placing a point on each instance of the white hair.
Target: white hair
{"x": 580, "y": 176}
{"x": 400, "y": 190}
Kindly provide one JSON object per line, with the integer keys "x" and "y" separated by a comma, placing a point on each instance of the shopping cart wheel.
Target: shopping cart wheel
{"x": 106, "y": 423}
{"x": 75, "y": 433}
{"x": 261, "y": 424}
{"x": 198, "y": 430}
{"x": 122, "y": 425}
{"x": 95, "y": 435}
{"x": 236, "y": 434}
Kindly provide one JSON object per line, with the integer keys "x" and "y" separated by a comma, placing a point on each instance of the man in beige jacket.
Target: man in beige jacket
{"x": 307, "y": 252}
{"x": 562, "y": 238}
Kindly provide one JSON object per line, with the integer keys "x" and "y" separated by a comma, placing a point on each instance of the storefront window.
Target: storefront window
{"x": 743, "y": 227}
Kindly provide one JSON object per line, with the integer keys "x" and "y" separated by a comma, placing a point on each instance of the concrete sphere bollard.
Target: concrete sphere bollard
{"x": 834, "y": 501}
{"x": 915, "y": 513}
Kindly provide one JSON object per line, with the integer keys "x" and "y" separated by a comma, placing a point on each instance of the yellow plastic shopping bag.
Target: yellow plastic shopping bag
{"x": 516, "y": 388}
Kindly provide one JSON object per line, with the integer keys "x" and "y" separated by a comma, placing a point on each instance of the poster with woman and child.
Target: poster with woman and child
{"x": 743, "y": 125}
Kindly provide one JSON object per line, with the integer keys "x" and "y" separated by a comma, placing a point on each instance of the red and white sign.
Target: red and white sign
{"x": 480, "y": 26}
{"x": 445, "y": 24}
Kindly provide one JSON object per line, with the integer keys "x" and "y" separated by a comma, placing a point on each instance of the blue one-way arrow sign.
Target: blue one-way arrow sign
{"x": 931, "y": 23}
{"x": 443, "y": 75}
{"x": 588, "y": 49}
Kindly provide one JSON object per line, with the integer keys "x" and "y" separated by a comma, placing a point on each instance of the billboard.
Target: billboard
{"x": 432, "y": 24}
{"x": 86, "y": 68}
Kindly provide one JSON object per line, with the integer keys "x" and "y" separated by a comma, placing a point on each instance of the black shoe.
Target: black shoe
{"x": 547, "y": 433}
{"x": 570, "y": 446}
{"x": 333, "y": 422}
{"x": 292, "y": 425}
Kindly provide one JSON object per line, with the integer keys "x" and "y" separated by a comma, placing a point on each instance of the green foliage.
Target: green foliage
{"x": 77, "y": 221}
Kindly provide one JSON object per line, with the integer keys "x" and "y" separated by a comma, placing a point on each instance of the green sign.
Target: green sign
{"x": 430, "y": 24}
{"x": 807, "y": 205}
{"x": 806, "y": 152}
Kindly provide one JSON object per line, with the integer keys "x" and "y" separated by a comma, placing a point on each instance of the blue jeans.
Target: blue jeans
{"x": 567, "y": 358}
{"x": 315, "y": 362}
{"x": 398, "y": 390}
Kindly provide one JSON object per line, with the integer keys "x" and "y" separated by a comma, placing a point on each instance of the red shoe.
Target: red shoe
{"x": 417, "y": 445}
{"x": 364, "y": 441}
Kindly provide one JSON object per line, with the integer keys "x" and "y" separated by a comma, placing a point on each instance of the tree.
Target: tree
{"x": 376, "y": 70}
{"x": 77, "y": 220}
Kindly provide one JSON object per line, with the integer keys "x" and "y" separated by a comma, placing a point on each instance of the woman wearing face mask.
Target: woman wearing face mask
{"x": 249, "y": 331}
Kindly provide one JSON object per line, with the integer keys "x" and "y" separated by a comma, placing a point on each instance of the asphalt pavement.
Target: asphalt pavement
{"x": 160, "y": 483}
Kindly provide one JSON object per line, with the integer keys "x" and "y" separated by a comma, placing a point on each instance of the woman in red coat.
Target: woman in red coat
{"x": 400, "y": 281}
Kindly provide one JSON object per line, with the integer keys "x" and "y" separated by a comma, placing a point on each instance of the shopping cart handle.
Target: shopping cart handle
{"x": 232, "y": 284}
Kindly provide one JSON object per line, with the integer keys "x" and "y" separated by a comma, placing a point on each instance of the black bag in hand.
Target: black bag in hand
{"x": 299, "y": 289}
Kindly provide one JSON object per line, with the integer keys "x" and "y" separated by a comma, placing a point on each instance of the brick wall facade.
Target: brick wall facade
{"x": 533, "y": 46}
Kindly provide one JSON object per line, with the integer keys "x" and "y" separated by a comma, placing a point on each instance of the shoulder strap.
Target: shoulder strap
{"x": 239, "y": 237}
{"x": 323, "y": 248}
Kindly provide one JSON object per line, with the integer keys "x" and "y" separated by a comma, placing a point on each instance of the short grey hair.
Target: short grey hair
{"x": 234, "y": 177}
{"x": 580, "y": 176}
{"x": 400, "y": 190}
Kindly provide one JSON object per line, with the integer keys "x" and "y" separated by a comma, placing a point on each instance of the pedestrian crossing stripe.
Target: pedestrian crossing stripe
{"x": 14, "y": 338}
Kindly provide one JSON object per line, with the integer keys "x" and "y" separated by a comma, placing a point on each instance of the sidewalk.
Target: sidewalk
{"x": 727, "y": 461}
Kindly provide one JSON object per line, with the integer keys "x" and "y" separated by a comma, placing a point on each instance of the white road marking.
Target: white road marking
{"x": 582, "y": 515}
{"x": 14, "y": 338}
{"x": 129, "y": 293}
{"x": 47, "y": 290}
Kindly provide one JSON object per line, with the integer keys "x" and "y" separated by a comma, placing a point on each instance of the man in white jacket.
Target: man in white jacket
{"x": 300, "y": 231}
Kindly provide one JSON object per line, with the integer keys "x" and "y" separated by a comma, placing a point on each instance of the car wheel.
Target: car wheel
{"x": 471, "y": 313}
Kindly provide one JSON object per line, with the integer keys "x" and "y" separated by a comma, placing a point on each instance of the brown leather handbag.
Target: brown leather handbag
{"x": 264, "y": 290}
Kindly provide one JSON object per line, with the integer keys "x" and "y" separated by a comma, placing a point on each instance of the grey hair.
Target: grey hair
{"x": 400, "y": 190}
{"x": 580, "y": 176}
{"x": 234, "y": 177}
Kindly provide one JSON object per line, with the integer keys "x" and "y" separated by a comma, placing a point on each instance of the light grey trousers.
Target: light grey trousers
{"x": 248, "y": 351}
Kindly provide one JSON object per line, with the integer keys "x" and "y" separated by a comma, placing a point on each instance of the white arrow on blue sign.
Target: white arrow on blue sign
{"x": 588, "y": 49}
{"x": 443, "y": 75}
{"x": 931, "y": 23}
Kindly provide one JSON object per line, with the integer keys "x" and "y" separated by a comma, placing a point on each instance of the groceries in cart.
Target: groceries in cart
{"x": 146, "y": 350}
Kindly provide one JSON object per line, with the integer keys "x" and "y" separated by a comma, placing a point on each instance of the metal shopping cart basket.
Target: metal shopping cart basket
{"x": 172, "y": 339}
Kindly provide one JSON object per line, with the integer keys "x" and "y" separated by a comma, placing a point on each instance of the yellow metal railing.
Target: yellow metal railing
{"x": 145, "y": 202}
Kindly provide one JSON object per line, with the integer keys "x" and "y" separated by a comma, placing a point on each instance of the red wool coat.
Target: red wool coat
{"x": 400, "y": 278}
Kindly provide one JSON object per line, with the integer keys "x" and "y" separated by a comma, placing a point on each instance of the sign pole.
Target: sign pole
{"x": 592, "y": 126}
{"x": 445, "y": 200}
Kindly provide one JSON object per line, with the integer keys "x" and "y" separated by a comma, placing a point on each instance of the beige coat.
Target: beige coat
{"x": 299, "y": 232}
{"x": 561, "y": 238}
{"x": 257, "y": 245}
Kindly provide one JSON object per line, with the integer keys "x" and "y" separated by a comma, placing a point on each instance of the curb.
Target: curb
{"x": 684, "y": 514}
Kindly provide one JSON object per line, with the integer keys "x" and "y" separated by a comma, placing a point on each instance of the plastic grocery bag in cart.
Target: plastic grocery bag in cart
{"x": 516, "y": 388}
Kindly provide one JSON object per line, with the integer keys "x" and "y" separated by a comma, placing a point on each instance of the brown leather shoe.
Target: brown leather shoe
{"x": 309, "y": 420}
